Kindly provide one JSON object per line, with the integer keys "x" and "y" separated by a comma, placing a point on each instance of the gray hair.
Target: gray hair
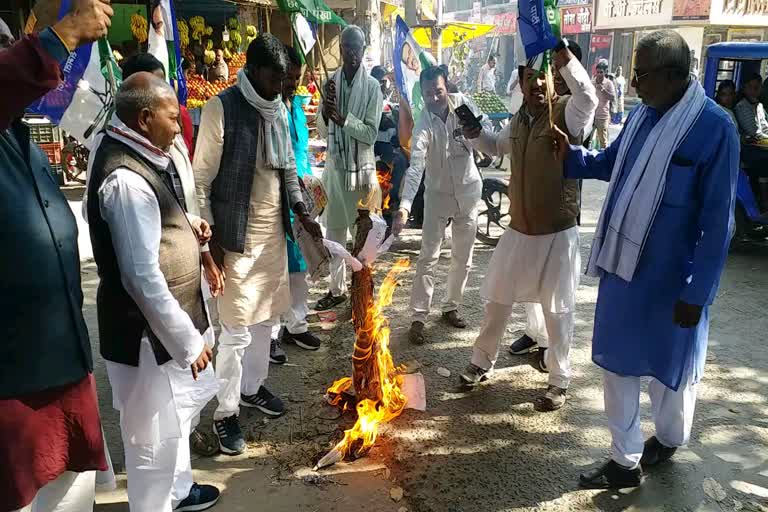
{"x": 668, "y": 50}
{"x": 140, "y": 91}
{"x": 350, "y": 29}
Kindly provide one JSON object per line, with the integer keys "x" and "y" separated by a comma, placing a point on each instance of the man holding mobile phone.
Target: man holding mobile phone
{"x": 537, "y": 259}
{"x": 452, "y": 190}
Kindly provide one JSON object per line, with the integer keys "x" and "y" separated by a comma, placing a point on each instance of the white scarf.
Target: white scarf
{"x": 274, "y": 135}
{"x": 359, "y": 171}
{"x": 619, "y": 240}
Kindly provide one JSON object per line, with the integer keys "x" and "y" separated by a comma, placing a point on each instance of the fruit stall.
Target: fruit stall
{"x": 491, "y": 105}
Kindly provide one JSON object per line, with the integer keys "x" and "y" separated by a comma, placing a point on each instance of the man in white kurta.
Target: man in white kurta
{"x": 537, "y": 259}
{"x": 452, "y": 190}
{"x": 246, "y": 180}
{"x": 350, "y": 121}
{"x": 157, "y": 402}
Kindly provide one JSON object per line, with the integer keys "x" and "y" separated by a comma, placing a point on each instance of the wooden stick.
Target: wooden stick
{"x": 550, "y": 88}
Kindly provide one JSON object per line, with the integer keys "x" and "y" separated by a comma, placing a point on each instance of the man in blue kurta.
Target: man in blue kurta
{"x": 295, "y": 327}
{"x": 659, "y": 249}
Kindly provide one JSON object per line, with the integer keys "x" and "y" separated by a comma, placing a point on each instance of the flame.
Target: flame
{"x": 385, "y": 182}
{"x": 370, "y": 413}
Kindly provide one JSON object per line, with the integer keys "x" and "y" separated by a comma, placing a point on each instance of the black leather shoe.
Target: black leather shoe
{"x": 611, "y": 475}
{"x": 655, "y": 453}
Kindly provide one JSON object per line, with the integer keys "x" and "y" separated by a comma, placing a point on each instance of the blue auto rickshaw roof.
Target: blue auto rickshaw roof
{"x": 735, "y": 51}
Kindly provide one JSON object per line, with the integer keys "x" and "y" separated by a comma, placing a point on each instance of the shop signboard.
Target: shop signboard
{"x": 576, "y": 20}
{"x": 632, "y": 13}
{"x": 599, "y": 48}
{"x": 506, "y": 24}
{"x": 570, "y": 3}
{"x": 739, "y": 12}
{"x": 686, "y": 10}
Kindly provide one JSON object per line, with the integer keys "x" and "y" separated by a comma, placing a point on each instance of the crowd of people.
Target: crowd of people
{"x": 174, "y": 235}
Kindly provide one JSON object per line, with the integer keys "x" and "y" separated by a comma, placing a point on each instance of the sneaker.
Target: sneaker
{"x": 201, "y": 497}
{"x": 264, "y": 401}
{"x": 655, "y": 453}
{"x": 523, "y": 345}
{"x": 305, "y": 340}
{"x": 231, "y": 441}
{"x": 611, "y": 475}
{"x": 553, "y": 399}
{"x": 540, "y": 359}
{"x": 473, "y": 375}
{"x": 276, "y": 352}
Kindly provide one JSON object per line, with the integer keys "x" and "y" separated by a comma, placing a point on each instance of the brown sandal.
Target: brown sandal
{"x": 203, "y": 444}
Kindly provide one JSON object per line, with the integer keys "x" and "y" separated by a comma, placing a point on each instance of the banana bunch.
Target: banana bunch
{"x": 197, "y": 24}
{"x": 250, "y": 34}
{"x": 139, "y": 27}
{"x": 209, "y": 45}
{"x": 236, "y": 39}
{"x": 227, "y": 54}
{"x": 183, "y": 33}
{"x": 234, "y": 24}
{"x": 209, "y": 56}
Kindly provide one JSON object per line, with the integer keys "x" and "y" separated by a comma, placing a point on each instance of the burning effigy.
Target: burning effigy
{"x": 376, "y": 384}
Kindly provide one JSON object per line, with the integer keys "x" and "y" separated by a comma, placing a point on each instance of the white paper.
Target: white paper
{"x": 415, "y": 391}
{"x": 338, "y": 251}
{"x": 313, "y": 194}
{"x": 373, "y": 241}
{"x": 315, "y": 253}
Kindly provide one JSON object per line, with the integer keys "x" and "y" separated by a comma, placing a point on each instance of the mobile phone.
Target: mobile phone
{"x": 467, "y": 118}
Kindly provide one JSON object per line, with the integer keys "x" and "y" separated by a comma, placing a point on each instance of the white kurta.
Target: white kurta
{"x": 157, "y": 403}
{"x": 544, "y": 269}
{"x": 257, "y": 280}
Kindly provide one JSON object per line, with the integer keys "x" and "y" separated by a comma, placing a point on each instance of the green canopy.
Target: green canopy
{"x": 315, "y": 11}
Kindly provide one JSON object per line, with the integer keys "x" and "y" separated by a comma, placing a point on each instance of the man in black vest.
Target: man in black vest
{"x": 151, "y": 311}
{"x": 245, "y": 176}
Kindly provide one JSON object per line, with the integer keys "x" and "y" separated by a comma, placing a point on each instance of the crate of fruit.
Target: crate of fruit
{"x": 53, "y": 152}
{"x": 43, "y": 132}
{"x": 489, "y": 103}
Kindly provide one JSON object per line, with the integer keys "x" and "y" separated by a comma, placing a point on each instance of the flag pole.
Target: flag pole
{"x": 550, "y": 89}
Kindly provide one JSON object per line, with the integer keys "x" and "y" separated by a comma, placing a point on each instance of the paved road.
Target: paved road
{"x": 488, "y": 450}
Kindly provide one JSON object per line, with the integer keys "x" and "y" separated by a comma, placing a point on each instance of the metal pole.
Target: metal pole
{"x": 411, "y": 17}
{"x": 438, "y": 30}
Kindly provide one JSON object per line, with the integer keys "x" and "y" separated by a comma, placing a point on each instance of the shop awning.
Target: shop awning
{"x": 452, "y": 33}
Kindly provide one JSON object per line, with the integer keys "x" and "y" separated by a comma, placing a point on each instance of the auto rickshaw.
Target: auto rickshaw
{"x": 734, "y": 61}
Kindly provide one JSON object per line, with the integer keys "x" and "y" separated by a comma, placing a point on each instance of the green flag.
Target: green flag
{"x": 315, "y": 11}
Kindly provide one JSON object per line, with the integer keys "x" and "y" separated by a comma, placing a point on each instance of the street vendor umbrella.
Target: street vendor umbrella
{"x": 452, "y": 33}
{"x": 315, "y": 11}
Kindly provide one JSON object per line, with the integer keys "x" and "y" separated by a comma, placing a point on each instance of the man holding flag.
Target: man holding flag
{"x": 537, "y": 259}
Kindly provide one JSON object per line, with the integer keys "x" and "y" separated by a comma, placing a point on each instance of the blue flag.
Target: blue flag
{"x": 534, "y": 27}
{"x": 81, "y": 104}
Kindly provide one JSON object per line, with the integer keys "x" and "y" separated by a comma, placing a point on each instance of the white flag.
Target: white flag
{"x": 304, "y": 34}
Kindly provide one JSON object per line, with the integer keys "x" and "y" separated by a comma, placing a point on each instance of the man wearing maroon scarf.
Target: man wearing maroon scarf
{"x": 50, "y": 434}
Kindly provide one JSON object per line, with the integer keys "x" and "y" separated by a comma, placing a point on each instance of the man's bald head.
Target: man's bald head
{"x": 353, "y": 33}
{"x": 6, "y": 37}
{"x": 148, "y": 105}
{"x": 352, "y": 49}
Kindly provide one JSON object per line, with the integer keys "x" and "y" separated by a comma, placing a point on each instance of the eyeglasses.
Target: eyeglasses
{"x": 637, "y": 77}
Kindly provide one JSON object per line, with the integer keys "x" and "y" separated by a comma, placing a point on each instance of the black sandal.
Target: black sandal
{"x": 330, "y": 302}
